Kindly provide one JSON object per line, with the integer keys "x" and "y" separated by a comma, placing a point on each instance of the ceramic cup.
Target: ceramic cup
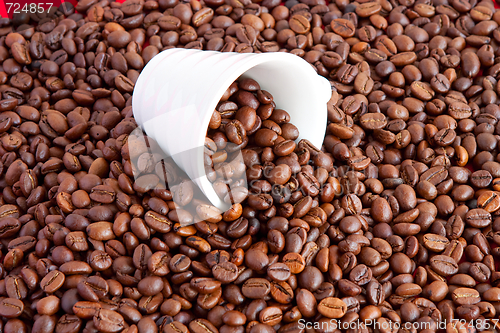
{"x": 178, "y": 90}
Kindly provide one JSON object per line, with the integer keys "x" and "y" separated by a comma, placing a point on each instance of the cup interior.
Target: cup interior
{"x": 295, "y": 89}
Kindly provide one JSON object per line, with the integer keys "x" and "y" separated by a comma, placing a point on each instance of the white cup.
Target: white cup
{"x": 179, "y": 89}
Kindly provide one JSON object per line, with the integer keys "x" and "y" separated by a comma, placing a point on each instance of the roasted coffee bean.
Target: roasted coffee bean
{"x": 299, "y": 24}
{"x": 108, "y": 321}
{"x": 375, "y": 293}
{"x": 373, "y": 121}
{"x": 295, "y": 262}
{"x": 465, "y": 296}
{"x": 85, "y": 309}
{"x": 256, "y": 288}
{"x": 444, "y": 265}
{"x": 489, "y": 201}
{"x": 9, "y": 226}
{"x": 435, "y": 243}
{"x": 270, "y": 316}
{"x": 235, "y": 132}
{"x": 282, "y": 292}
{"x": 478, "y": 218}
{"x": 332, "y": 307}
{"x": 225, "y": 272}
{"x": 11, "y": 308}
{"x": 481, "y": 178}
{"x": 279, "y": 272}
{"x": 202, "y": 325}
{"x": 343, "y": 27}
{"x": 52, "y": 281}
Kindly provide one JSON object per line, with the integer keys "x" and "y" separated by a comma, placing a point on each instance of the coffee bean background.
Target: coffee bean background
{"x": 396, "y": 219}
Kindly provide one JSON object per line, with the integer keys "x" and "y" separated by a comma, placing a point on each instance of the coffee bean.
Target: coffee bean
{"x": 9, "y": 226}
{"x": 435, "y": 243}
{"x": 422, "y": 91}
{"x": 295, "y": 262}
{"x": 332, "y": 307}
{"x": 235, "y": 132}
{"x": 11, "y": 308}
{"x": 368, "y": 9}
{"x": 225, "y": 272}
{"x": 256, "y": 288}
{"x": 375, "y": 293}
{"x": 86, "y": 310}
{"x": 489, "y": 201}
{"x": 481, "y": 178}
{"x": 202, "y": 326}
{"x": 278, "y": 272}
{"x": 459, "y": 110}
{"x": 371, "y": 121}
{"x": 284, "y": 148}
{"x": 282, "y": 292}
{"x": 465, "y": 296}
{"x": 480, "y": 272}
{"x": 408, "y": 290}
{"x": 478, "y": 218}
{"x": 102, "y": 194}
{"x": 20, "y": 53}
{"x": 299, "y": 24}
{"x": 108, "y": 321}
{"x": 343, "y": 27}
{"x": 444, "y": 265}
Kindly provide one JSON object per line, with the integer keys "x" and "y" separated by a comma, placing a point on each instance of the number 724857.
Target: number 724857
{"x": 33, "y": 8}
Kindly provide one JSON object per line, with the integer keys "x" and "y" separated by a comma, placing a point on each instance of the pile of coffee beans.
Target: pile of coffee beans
{"x": 395, "y": 220}
{"x": 246, "y": 117}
